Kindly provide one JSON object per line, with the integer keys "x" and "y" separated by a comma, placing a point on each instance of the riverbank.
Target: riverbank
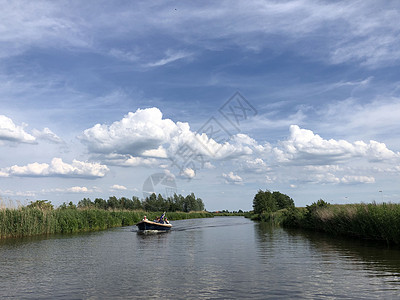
{"x": 380, "y": 222}
{"x": 27, "y": 221}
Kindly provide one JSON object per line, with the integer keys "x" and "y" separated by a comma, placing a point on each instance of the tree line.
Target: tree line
{"x": 151, "y": 203}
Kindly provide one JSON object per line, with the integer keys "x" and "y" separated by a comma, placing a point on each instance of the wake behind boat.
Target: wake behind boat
{"x": 159, "y": 225}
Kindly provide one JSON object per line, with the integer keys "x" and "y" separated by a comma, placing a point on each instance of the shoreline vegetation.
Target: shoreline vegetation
{"x": 41, "y": 218}
{"x": 26, "y": 221}
{"x": 377, "y": 222}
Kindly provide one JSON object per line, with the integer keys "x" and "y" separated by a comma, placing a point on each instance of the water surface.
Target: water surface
{"x": 217, "y": 258}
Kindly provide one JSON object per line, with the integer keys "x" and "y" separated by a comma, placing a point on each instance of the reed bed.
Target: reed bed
{"x": 33, "y": 221}
{"x": 367, "y": 221}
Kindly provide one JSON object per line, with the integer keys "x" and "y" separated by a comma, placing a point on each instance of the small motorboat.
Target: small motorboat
{"x": 159, "y": 225}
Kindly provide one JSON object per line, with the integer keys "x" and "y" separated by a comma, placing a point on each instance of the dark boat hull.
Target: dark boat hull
{"x": 146, "y": 225}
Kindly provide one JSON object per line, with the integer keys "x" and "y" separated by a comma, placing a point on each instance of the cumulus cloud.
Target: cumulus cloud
{"x": 14, "y": 133}
{"x": 135, "y": 133}
{"x": 188, "y": 173}
{"x": 270, "y": 179}
{"x": 145, "y": 133}
{"x": 323, "y": 178}
{"x": 325, "y": 168}
{"x": 118, "y": 187}
{"x": 256, "y": 165}
{"x": 78, "y": 189}
{"x": 209, "y": 165}
{"x": 231, "y": 178}
{"x": 58, "y": 168}
{"x": 304, "y": 145}
{"x": 4, "y": 174}
{"x": 15, "y": 203}
{"x": 357, "y": 179}
{"x": 73, "y": 190}
{"x": 127, "y": 160}
{"x": 47, "y": 134}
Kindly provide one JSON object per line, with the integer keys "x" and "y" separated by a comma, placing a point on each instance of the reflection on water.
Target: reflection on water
{"x": 219, "y": 258}
{"x": 370, "y": 255}
{"x": 329, "y": 267}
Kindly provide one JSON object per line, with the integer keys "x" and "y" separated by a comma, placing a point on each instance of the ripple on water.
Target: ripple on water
{"x": 224, "y": 257}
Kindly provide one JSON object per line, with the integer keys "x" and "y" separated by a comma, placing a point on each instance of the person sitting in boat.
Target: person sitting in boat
{"x": 166, "y": 220}
{"x": 145, "y": 218}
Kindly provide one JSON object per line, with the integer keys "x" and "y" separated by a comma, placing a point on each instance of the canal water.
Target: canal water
{"x": 216, "y": 258}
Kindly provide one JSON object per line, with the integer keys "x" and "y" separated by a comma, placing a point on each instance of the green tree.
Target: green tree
{"x": 150, "y": 203}
{"x": 136, "y": 203}
{"x": 200, "y": 204}
{"x": 100, "y": 203}
{"x": 263, "y": 202}
{"x": 266, "y": 202}
{"x": 41, "y": 204}
{"x": 190, "y": 203}
{"x": 85, "y": 203}
{"x": 282, "y": 200}
{"x": 113, "y": 203}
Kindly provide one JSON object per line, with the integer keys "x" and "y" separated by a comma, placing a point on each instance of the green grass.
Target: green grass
{"x": 367, "y": 221}
{"x": 33, "y": 221}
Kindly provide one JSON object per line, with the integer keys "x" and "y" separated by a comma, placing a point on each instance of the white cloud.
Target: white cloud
{"x": 232, "y": 178}
{"x": 188, "y": 173}
{"x": 127, "y": 160}
{"x": 15, "y": 203}
{"x": 145, "y": 133}
{"x": 209, "y": 165}
{"x": 47, "y": 134}
{"x": 135, "y": 133}
{"x": 323, "y": 178}
{"x": 256, "y": 165}
{"x": 58, "y": 168}
{"x": 357, "y": 179}
{"x": 324, "y": 168}
{"x": 160, "y": 152}
{"x": 78, "y": 189}
{"x": 304, "y": 145}
{"x": 14, "y": 133}
{"x": 270, "y": 179}
{"x": 73, "y": 190}
{"x": 118, "y": 187}
{"x": 171, "y": 56}
{"x": 4, "y": 174}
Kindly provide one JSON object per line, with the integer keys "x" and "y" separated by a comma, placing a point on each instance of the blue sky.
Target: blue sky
{"x": 95, "y": 97}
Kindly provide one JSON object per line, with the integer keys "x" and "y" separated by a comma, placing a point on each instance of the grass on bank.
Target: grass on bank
{"x": 368, "y": 221}
{"x": 27, "y": 221}
{"x": 380, "y": 222}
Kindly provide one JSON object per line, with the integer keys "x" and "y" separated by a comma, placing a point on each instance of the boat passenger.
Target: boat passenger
{"x": 145, "y": 218}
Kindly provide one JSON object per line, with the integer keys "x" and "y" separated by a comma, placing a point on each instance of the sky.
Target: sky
{"x": 219, "y": 98}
